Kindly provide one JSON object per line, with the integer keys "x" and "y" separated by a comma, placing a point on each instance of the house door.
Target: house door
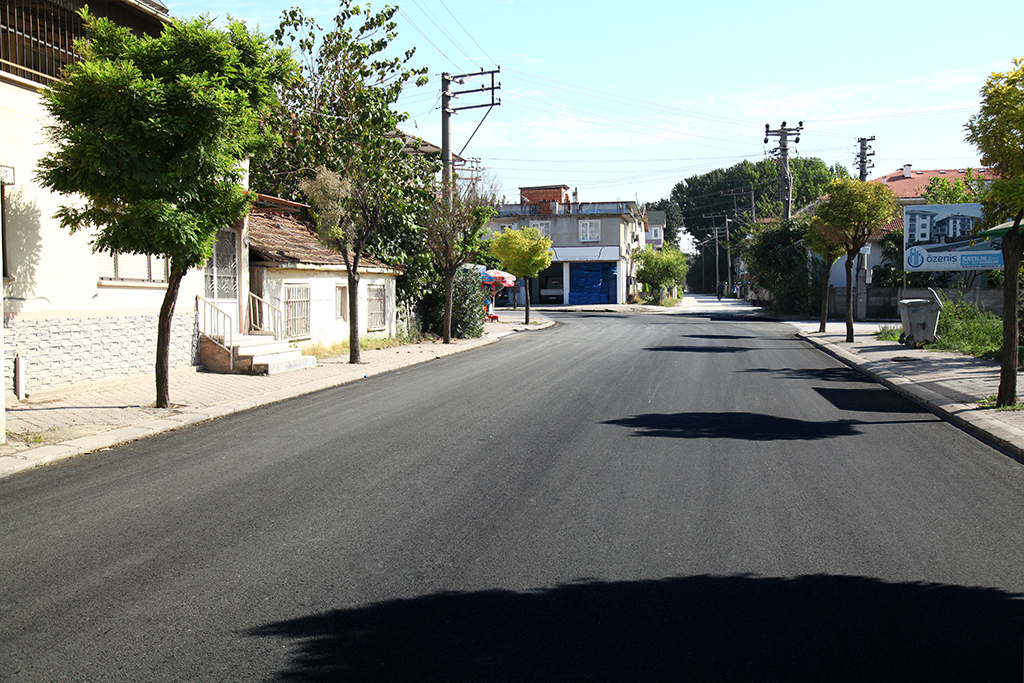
{"x": 221, "y": 274}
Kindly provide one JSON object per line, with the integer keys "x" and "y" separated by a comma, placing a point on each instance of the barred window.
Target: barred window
{"x": 377, "y": 304}
{"x": 36, "y": 37}
{"x": 296, "y": 310}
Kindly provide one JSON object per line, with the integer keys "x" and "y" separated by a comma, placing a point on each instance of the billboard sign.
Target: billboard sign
{"x": 939, "y": 237}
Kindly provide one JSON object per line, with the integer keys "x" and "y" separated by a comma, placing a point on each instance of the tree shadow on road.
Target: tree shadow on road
{"x": 696, "y": 628}
{"x": 735, "y": 425}
{"x": 699, "y": 349}
{"x": 837, "y": 374}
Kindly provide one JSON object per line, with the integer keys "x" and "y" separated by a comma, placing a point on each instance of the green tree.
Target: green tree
{"x": 151, "y": 133}
{"x": 658, "y": 270}
{"x": 453, "y": 229}
{"x": 524, "y": 253}
{"x": 941, "y": 191}
{"x": 824, "y": 244}
{"x": 467, "y": 312}
{"x": 997, "y": 130}
{"x": 747, "y": 192}
{"x": 339, "y": 119}
{"x": 776, "y": 258}
{"x": 853, "y": 214}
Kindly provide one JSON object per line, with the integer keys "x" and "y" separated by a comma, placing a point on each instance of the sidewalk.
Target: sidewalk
{"x": 68, "y": 421}
{"x": 948, "y": 384}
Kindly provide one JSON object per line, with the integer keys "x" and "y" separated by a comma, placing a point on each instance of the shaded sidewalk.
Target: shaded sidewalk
{"x": 948, "y": 384}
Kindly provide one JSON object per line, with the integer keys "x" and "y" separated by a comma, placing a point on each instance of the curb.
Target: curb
{"x": 41, "y": 455}
{"x": 998, "y": 434}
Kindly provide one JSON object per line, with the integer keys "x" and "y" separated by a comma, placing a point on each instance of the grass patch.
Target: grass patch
{"x": 990, "y": 402}
{"x": 890, "y": 332}
{"x": 28, "y": 437}
{"x": 342, "y": 348}
{"x": 966, "y": 329}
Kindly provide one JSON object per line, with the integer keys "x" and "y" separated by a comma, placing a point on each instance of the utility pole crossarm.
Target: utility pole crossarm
{"x": 785, "y": 177}
{"x": 447, "y": 110}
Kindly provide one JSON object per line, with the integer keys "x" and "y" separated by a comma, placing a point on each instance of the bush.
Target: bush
{"x": 468, "y": 301}
{"x": 965, "y": 328}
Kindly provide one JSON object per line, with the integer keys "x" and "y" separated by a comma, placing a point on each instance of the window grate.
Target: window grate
{"x": 296, "y": 310}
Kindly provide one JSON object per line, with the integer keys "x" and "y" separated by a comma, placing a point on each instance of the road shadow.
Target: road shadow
{"x": 698, "y": 628}
{"x": 836, "y": 374}
{"x": 734, "y": 425}
{"x": 717, "y": 336}
{"x": 875, "y": 399}
{"x": 698, "y": 349}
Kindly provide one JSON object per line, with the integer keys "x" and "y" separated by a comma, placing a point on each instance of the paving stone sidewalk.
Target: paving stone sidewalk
{"x": 948, "y": 384}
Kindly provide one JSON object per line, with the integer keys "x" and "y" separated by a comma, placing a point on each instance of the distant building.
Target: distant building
{"x": 593, "y": 244}
{"x": 655, "y": 231}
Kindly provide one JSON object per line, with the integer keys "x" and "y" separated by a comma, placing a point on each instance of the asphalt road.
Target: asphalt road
{"x": 619, "y": 498}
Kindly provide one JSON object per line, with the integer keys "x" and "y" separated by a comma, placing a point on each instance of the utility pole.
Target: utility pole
{"x": 785, "y": 177}
{"x": 728, "y": 248}
{"x": 447, "y": 94}
{"x": 862, "y": 161}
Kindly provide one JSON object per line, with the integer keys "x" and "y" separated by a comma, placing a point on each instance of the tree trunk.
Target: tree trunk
{"x": 163, "y": 338}
{"x": 527, "y": 289}
{"x": 851, "y": 257}
{"x": 353, "y": 316}
{"x": 1013, "y": 246}
{"x": 446, "y": 325}
{"x": 824, "y": 296}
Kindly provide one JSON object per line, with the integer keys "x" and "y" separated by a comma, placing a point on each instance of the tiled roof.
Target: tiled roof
{"x": 286, "y": 239}
{"x": 904, "y": 187}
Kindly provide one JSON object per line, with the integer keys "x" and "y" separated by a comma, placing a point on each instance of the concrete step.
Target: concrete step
{"x": 254, "y": 355}
{"x": 277, "y": 366}
{"x": 265, "y": 355}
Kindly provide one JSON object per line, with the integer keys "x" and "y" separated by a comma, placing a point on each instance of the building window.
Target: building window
{"x": 296, "y": 310}
{"x": 590, "y": 231}
{"x": 543, "y": 226}
{"x": 341, "y": 302}
{"x": 376, "y": 300}
{"x": 221, "y": 272}
{"x": 133, "y": 267}
{"x": 36, "y": 37}
{"x": 657, "y": 233}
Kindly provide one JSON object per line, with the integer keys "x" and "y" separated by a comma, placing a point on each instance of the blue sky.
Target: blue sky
{"x": 623, "y": 100}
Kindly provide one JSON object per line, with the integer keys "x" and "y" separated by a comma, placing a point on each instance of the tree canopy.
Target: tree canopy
{"x": 453, "y": 227}
{"x": 852, "y": 214}
{"x": 524, "y": 253}
{"x": 997, "y": 130}
{"x": 659, "y": 269}
{"x": 152, "y": 132}
{"x": 366, "y": 181}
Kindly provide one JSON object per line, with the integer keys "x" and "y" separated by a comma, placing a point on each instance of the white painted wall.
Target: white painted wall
{"x": 55, "y": 274}
{"x": 325, "y": 326}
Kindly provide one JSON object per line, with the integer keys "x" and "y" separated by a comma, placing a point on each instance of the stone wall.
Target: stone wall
{"x": 883, "y": 302}
{"x": 58, "y": 352}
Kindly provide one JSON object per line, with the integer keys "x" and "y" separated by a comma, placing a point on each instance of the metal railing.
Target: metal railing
{"x": 265, "y": 317}
{"x": 217, "y": 326}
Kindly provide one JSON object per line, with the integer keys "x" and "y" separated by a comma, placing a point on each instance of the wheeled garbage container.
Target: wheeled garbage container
{"x": 920, "y": 318}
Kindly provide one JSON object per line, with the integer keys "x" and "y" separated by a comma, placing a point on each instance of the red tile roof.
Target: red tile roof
{"x": 913, "y": 186}
{"x": 285, "y": 239}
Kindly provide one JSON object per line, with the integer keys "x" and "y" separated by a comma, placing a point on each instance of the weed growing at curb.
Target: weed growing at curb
{"x": 990, "y": 402}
